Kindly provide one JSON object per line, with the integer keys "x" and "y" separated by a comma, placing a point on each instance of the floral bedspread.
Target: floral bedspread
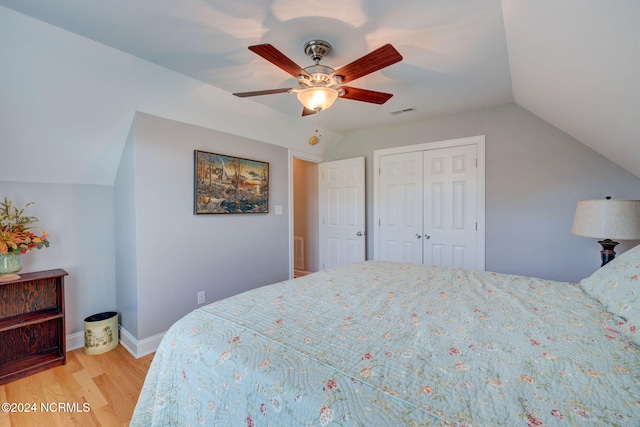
{"x": 391, "y": 344}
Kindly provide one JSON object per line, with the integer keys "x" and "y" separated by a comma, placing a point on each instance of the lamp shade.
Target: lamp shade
{"x": 318, "y": 98}
{"x": 607, "y": 219}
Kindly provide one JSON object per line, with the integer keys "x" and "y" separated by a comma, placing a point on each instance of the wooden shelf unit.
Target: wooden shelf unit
{"x": 32, "y": 324}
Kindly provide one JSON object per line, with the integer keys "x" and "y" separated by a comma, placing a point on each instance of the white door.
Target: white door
{"x": 428, "y": 207}
{"x": 342, "y": 212}
{"x": 450, "y": 200}
{"x": 400, "y": 223}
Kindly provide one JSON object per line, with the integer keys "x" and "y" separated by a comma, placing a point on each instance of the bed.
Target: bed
{"x": 392, "y": 344}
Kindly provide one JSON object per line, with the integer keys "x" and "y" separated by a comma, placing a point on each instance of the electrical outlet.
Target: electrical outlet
{"x": 201, "y": 297}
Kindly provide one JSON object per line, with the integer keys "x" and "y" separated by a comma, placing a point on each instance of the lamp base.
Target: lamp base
{"x": 607, "y": 253}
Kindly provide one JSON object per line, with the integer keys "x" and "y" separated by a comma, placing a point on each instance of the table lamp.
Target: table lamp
{"x": 607, "y": 219}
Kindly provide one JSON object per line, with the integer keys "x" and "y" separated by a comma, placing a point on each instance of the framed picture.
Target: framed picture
{"x": 229, "y": 185}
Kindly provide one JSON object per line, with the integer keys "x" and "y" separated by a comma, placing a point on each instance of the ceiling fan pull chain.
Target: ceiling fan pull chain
{"x": 315, "y": 138}
{"x": 318, "y": 124}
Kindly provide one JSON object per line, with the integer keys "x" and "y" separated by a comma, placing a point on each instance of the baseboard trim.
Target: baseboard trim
{"x": 75, "y": 341}
{"x": 129, "y": 342}
{"x": 139, "y": 348}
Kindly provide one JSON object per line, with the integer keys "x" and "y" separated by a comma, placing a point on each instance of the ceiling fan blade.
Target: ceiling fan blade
{"x": 307, "y": 111}
{"x": 261, "y": 92}
{"x": 365, "y": 95}
{"x": 373, "y": 61}
{"x": 278, "y": 59}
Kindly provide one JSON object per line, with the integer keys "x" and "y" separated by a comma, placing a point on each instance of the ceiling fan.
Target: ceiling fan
{"x": 320, "y": 85}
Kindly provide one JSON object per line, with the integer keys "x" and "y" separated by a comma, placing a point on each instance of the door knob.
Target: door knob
{"x": 427, "y": 236}
{"x": 359, "y": 233}
{"x": 418, "y": 235}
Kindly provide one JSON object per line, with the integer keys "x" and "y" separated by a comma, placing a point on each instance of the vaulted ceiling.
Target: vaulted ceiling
{"x": 574, "y": 63}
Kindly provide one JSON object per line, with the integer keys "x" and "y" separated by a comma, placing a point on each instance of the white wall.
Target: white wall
{"x": 79, "y": 219}
{"x": 535, "y": 174}
{"x": 179, "y": 253}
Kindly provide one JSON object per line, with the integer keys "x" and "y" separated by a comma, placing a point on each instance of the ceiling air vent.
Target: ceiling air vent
{"x": 404, "y": 110}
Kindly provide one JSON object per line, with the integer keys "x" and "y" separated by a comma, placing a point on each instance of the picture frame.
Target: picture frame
{"x": 226, "y": 184}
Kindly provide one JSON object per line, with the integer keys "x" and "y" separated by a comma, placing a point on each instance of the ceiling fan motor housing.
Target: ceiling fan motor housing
{"x": 319, "y": 76}
{"x": 317, "y": 49}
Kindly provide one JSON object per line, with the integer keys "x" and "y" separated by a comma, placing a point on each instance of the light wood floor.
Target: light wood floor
{"x": 109, "y": 383}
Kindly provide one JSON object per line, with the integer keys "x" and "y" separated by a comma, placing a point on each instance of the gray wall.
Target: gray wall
{"x": 79, "y": 220}
{"x": 535, "y": 174}
{"x": 126, "y": 254}
{"x": 179, "y": 253}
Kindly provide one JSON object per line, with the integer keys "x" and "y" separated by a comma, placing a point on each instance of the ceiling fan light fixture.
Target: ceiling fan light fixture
{"x": 318, "y": 85}
{"x": 318, "y": 98}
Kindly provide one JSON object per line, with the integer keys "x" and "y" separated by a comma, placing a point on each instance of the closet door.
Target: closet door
{"x": 432, "y": 213}
{"x": 400, "y": 223}
{"x": 450, "y": 207}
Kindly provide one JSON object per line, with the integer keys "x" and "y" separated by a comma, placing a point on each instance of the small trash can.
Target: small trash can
{"x": 101, "y": 332}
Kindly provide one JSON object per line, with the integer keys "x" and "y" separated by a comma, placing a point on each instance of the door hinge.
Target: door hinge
{"x": 379, "y": 171}
{"x": 476, "y": 226}
{"x": 476, "y": 162}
